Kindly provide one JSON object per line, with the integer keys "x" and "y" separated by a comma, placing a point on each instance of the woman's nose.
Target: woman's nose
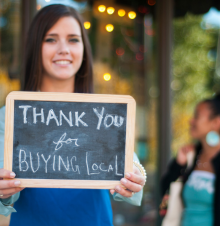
{"x": 63, "y": 48}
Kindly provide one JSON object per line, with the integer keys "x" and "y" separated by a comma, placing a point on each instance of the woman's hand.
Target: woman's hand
{"x": 8, "y": 187}
{"x": 182, "y": 154}
{"x": 133, "y": 182}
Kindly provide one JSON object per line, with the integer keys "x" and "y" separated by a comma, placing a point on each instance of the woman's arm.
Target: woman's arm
{"x": 176, "y": 168}
{"x": 8, "y": 188}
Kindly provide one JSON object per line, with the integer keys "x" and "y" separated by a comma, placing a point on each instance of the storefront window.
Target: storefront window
{"x": 10, "y": 30}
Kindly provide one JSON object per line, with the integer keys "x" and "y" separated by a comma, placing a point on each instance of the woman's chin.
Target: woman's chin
{"x": 63, "y": 77}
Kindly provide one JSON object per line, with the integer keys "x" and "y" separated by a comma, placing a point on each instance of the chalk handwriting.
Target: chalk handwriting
{"x": 109, "y": 119}
{"x": 25, "y": 107}
{"x": 100, "y": 116}
{"x": 38, "y": 114}
{"x": 61, "y": 141}
{"x": 96, "y": 168}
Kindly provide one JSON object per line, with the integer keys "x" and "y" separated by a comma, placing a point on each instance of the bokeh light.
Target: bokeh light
{"x": 151, "y": 2}
{"x": 101, "y": 8}
{"x": 132, "y": 15}
{"x": 106, "y": 76}
{"x": 87, "y": 24}
{"x": 142, "y": 49}
{"x": 149, "y": 32}
{"x": 120, "y": 51}
{"x": 38, "y": 7}
{"x": 142, "y": 9}
{"x": 139, "y": 56}
{"x": 121, "y": 12}
{"x": 109, "y": 27}
{"x": 148, "y": 23}
{"x": 110, "y": 10}
{"x": 47, "y": 0}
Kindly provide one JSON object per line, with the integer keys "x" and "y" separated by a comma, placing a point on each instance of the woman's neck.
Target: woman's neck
{"x": 55, "y": 85}
{"x": 208, "y": 150}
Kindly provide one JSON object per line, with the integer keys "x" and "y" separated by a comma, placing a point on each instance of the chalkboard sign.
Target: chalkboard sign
{"x": 69, "y": 140}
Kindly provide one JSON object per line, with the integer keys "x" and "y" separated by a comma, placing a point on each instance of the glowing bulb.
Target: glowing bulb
{"x": 38, "y": 7}
{"x": 101, "y": 8}
{"x": 110, "y": 10}
{"x": 87, "y": 25}
{"x": 106, "y": 76}
{"x": 120, "y": 51}
{"x": 132, "y": 15}
{"x": 151, "y": 2}
{"x": 109, "y": 27}
{"x": 121, "y": 12}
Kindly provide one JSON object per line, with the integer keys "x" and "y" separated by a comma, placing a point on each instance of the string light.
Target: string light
{"x": 109, "y": 27}
{"x": 106, "y": 76}
{"x": 120, "y": 51}
{"x": 132, "y": 15}
{"x": 101, "y": 8}
{"x": 38, "y": 7}
{"x": 142, "y": 9}
{"x": 121, "y": 12}
{"x": 110, "y": 10}
{"x": 87, "y": 25}
{"x": 151, "y": 2}
{"x": 139, "y": 56}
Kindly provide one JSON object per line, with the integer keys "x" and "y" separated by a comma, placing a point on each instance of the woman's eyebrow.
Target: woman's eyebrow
{"x": 71, "y": 35}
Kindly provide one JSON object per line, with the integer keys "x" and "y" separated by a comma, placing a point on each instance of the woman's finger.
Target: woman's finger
{"x": 9, "y": 195}
{"x": 123, "y": 192}
{"x": 138, "y": 179}
{"x": 6, "y": 174}
{"x": 131, "y": 185}
{"x": 112, "y": 191}
{"x": 9, "y": 191}
{"x": 4, "y": 184}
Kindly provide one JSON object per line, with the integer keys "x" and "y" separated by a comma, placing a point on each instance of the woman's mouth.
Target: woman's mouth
{"x": 63, "y": 62}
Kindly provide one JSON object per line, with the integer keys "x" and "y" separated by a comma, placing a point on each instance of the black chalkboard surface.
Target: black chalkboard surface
{"x": 69, "y": 140}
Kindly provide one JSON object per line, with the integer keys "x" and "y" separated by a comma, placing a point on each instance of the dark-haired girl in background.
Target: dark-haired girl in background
{"x": 201, "y": 190}
{"x": 58, "y": 59}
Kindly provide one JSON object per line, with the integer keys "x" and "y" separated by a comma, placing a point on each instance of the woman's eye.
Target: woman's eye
{"x": 50, "y": 40}
{"x": 74, "y": 40}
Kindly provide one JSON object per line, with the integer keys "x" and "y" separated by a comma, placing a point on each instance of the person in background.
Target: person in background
{"x": 58, "y": 59}
{"x": 201, "y": 190}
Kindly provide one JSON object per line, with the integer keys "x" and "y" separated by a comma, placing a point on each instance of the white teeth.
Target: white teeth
{"x": 63, "y": 62}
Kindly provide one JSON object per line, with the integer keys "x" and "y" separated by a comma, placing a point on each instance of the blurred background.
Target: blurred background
{"x": 164, "y": 53}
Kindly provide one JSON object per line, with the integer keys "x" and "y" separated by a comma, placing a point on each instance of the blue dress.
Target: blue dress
{"x": 53, "y": 207}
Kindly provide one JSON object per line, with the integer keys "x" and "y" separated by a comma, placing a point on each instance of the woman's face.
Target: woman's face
{"x": 62, "y": 50}
{"x": 202, "y": 122}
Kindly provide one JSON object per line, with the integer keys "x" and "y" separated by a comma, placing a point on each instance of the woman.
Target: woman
{"x": 58, "y": 59}
{"x": 201, "y": 190}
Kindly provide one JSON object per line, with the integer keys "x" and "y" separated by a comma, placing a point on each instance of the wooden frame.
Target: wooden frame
{"x": 69, "y": 97}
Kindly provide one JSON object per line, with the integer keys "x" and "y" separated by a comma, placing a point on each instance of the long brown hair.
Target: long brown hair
{"x": 33, "y": 67}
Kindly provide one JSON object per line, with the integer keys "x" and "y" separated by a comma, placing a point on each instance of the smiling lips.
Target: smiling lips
{"x": 63, "y": 62}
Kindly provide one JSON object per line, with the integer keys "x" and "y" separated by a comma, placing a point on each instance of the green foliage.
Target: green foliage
{"x": 193, "y": 68}
{"x": 193, "y": 72}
